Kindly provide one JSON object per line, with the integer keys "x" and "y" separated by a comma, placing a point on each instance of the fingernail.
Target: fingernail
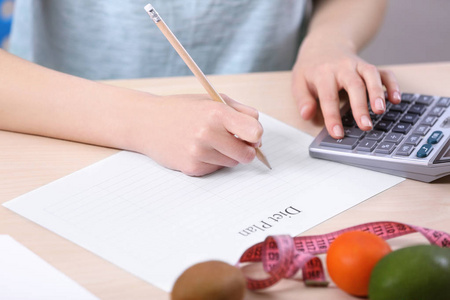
{"x": 303, "y": 112}
{"x": 365, "y": 120}
{"x": 338, "y": 131}
{"x": 379, "y": 104}
{"x": 396, "y": 96}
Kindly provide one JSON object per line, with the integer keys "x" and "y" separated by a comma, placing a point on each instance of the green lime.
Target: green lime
{"x": 412, "y": 273}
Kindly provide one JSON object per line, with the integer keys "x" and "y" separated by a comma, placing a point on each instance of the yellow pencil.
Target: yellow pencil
{"x": 192, "y": 65}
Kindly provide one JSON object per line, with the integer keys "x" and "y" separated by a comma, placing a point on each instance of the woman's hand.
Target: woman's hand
{"x": 194, "y": 134}
{"x": 326, "y": 67}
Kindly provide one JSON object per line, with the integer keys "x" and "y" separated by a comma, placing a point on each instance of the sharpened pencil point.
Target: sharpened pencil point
{"x": 262, "y": 158}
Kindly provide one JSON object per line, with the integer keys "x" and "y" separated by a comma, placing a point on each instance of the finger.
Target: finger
{"x": 233, "y": 150}
{"x": 242, "y": 125}
{"x": 329, "y": 103}
{"x": 306, "y": 102}
{"x": 199, "y": 169}
{"x": 356, "y": 90}
{"x": 217, "y": 139}
{"x": 208, "y": 154}
{"x": 245, "y": 109}
{"x": 374, "y": 87}
{"x": 390, "y": 82}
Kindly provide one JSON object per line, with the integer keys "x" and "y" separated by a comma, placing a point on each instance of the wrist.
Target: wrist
{"x": 329, "y": 39}
{"x": 132, "y": 119}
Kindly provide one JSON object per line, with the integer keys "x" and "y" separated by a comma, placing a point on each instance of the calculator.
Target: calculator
{"x": 410, "y": 139}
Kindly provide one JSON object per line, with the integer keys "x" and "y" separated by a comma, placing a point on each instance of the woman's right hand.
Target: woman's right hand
{"x": 194, "y": 134}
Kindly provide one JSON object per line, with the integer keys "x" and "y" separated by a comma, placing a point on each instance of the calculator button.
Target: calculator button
{"x": 402, "y": 106}
{"x": 437, "y": 111}
{"x": 402, "y": 128}
{"x": 429, "y": 120}
{"x": 425, "y": 150}
{"x": 366, "y": 145}
{"x": 384, "y": 125}
{"x": 410, "y": 118}
{"x": 444, "y": 102}
{"x": 435, "y": 137}
{"x": 385, "y": 148}
{"x": 445, "y": 123}
{"x": 353, "y": 132}
{"x": 413, "y": 139}
{"x": 422, "y": 129}
{"x": 347, "y": 120}
{"x": 394, "y": 137}
{"x": 373, "y": 115}
{"x": 392, "y": 116}
{"x": 408, "y": 98}
{"x": 344, "y": 143}
{"x": 417, "y": 109}
{"x": 423, "y": 99}
{"x": 375, "y": 135}
{"x": 405, "y": 150}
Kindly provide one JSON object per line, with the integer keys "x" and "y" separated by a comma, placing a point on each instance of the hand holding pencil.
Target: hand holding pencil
{"x": 196, "y": 70}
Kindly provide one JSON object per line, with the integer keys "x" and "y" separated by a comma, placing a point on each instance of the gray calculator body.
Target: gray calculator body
{"x": 411, "y": 139}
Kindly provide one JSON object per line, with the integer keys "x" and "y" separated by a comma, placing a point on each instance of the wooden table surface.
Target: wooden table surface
{"x": 28, "y": 162}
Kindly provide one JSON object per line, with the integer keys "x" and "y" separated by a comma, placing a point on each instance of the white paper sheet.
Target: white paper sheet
{"x": 154, "y": 222}
{"x": 24, "y": 275}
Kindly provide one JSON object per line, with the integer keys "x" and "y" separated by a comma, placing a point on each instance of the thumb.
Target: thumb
{"x": 306, "y": 102}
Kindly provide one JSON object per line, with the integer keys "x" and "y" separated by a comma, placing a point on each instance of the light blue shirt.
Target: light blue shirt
{"x": 99, "y": 39}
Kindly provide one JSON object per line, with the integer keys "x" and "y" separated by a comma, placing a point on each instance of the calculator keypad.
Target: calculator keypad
{"x": 399, "y": 131}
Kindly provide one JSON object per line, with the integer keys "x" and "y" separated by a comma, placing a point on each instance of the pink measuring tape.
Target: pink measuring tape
{"x": 282, "y": 256}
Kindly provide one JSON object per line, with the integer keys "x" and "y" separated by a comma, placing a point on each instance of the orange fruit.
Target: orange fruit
{"x": 351, "y": 258}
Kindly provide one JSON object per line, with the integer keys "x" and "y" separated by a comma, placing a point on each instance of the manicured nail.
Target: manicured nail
{"x": 303, "y": 112}
{"x": 365, "y": 120}
{"x": 396, "y": 96}
{"x": 338, "y": 131}
{"x": 379, "y": 104}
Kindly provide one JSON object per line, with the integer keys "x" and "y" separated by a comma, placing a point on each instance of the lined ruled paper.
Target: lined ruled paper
{"x": 155, "y": 222}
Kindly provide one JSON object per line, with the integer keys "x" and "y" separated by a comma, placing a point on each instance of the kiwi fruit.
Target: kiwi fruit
{"x": 210, "y": 280}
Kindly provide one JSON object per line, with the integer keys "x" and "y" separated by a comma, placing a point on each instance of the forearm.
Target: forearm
{"x": 41, "y": 101}
{"x": 190, "y": 133}
{"x": 350, "y": 23}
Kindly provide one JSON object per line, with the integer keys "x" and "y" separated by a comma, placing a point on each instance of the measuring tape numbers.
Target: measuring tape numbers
{"x": 282, "y": 256}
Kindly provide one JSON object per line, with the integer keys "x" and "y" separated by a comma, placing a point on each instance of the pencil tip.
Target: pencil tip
{"x": 262, "y": 158}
